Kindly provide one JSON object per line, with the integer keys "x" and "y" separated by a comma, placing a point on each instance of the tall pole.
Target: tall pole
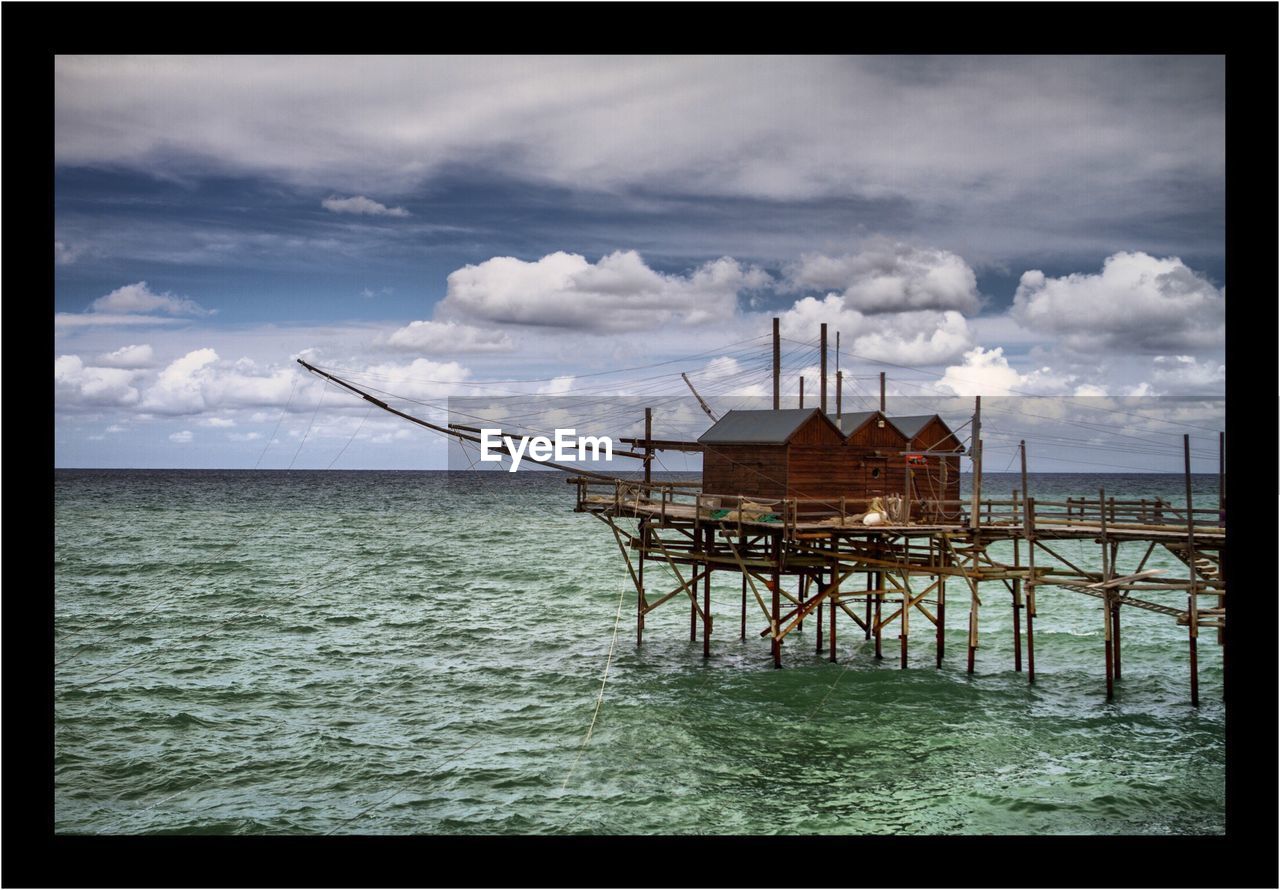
{"x": 648, "y": 448}
{"x": 882, "y": 392}
{"x": 1192, "y": 611}
{"x": 1107, "y": 572}
{"x": 706, "y": 598}
{"x": 839, "y": 383}
{"x": 975, "y": 454}
{"x": 1222, "y": 472}
{"x": 777, "y": 367}
{"x": 1017, "y": 599}
{"x": 801, "y": 392}
{"x": 822, "y": 384}
{"x": 1222, "y": 520}
{"x": 1028, "y": 531}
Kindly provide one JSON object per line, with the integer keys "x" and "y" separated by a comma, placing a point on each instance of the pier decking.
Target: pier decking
{"x": 882, "y": 576}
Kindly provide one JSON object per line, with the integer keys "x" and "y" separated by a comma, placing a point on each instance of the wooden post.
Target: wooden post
{"x": 1030, "y": 505}
{"x": 801, "y": 392}
{"x": 942, "y": 603}
{"x": 973, "y": 630}
{"x": 832, "y": 657}
{"x": 904, "y": 625}
{"x": 1028, "y": 531}
{"x": 693, "y": 615}
{"x": 706, "y": 610}
{"x": 868, "y": 605}
{"x": 742, "y": 546}
{"x": 835, "y": 595}
{"x": 817, "y": 637}
{"x": 1115, "y": 635}
{"x": 1017, "y": 601}
{"x": 1222, "y": 554}
{"x": 648, "y": 449}
{"x": 839, "y": 385}
{"x": 882, "y": 392}
{"x": 879, "y": 631}
{"x": 777, "y": 367}
{"x": 802, "y": 589}
{"x": 1106, "y": 594}
{"x": 1222, "y": 471}
{"x": 1193, "y": 611}
{"x": 777, "y": 644}
{"x": 975, "y": 455}
{"x": 644, "y": 545}
{"x": 822, "y": 384}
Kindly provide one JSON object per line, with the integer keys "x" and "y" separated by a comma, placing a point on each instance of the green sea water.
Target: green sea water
{"x": 422, "y": 653}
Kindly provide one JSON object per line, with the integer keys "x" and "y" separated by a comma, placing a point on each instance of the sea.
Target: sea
{"x": 401, "y": 653}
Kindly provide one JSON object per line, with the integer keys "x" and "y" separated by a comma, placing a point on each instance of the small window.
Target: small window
{"x": 875, "y": 472}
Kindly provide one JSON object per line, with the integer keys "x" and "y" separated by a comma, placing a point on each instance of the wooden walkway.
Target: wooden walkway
{"x": 880, "y": 577}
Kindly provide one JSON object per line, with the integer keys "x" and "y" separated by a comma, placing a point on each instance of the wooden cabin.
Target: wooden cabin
{"x": 803, "y": 453}
{"x": 792, "y": 453}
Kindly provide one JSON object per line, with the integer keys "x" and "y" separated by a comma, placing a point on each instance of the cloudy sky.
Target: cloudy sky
{"x": 439, "y": 227}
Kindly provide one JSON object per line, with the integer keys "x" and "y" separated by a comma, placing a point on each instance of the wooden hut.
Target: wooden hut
{"x": 794, "y": 453}
{"x": 803, "y": 453}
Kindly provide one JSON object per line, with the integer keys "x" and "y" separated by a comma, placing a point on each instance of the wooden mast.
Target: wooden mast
{"x": 448, "y": 432}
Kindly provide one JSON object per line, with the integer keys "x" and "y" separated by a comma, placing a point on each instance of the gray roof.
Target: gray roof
{"x": 913, "y": 424}
{"x": 757, "y": 427}
{"x": 854, "y": 419}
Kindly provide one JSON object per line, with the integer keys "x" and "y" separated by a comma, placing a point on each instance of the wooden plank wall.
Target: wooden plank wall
{"x": 752, "y": 470}
{"x": 817, "y": 465}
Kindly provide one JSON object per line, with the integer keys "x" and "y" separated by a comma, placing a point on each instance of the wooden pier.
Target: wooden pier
{"x": 795, "y": 535}
{"x": 800, "y": 558}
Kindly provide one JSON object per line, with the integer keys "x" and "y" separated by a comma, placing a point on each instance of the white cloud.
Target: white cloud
{"x": 139, "y": 298}
{"x": 558, "y": 387}
{"x": 199, "y": 382}
{"x": 182, "y": 437}
{"x": 888, "y": 277}
{"x": 178, "y": 389}
{"x": 925, "y": 337}
{"x": 76, "y": 384}
{"x": 218, "y": 422}
{"x": 1138, "y": 302}
{"x": 914, "y": 338}
{"x": 619, "y": 293}
{"x": 244, "y": 437}
{"x": 128, "y": 357}
{"x": 987, "y": 373}
{"x": 361, "y": 206}
{"x": 420, "y": 379}
{"x": 1183, "y": 374}
{"x": 721, "y": 367}
{"x": 448, "y": 336}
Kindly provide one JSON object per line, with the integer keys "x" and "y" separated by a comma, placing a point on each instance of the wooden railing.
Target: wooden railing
{"x": 1118, "y": 513}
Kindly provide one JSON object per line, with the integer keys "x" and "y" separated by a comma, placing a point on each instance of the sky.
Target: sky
{"x": 584, "y": 229}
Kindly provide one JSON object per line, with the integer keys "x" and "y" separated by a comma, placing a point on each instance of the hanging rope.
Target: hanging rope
{"x": 600, "y": 697}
